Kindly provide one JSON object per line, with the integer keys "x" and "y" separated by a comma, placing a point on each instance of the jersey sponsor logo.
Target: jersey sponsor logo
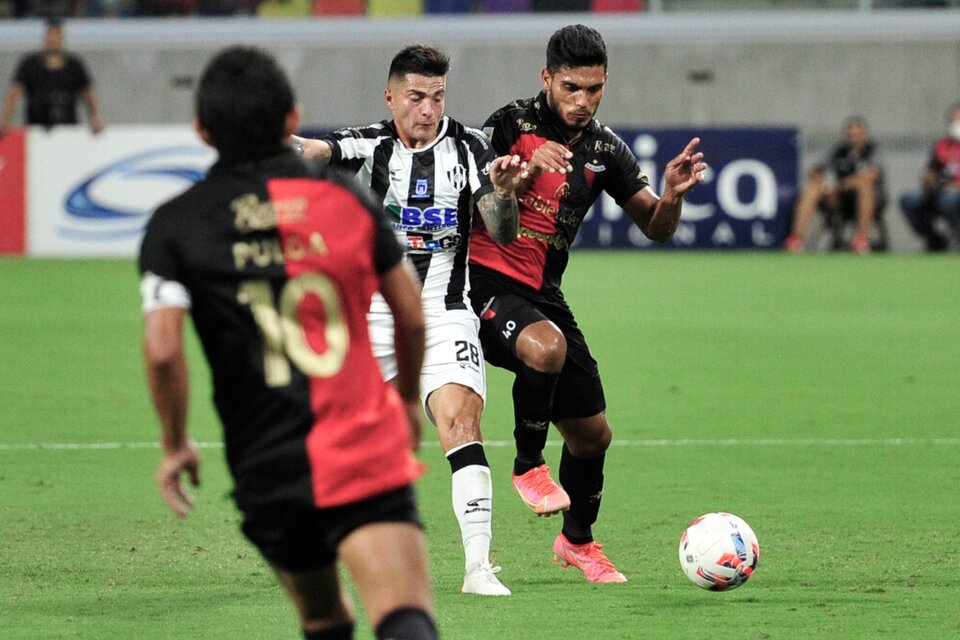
{"x": 555, "y": 240}
{"x": 250, "y": 214}
{"x": 595, "y": 166}
{"x": 538, "y": 204}
{"x": 457, "y": 177}
{"x": 446, "y": 243}
{"x": 430, "y": 218}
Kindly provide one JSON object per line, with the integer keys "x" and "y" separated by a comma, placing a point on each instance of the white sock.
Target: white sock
{"x": 473, "y": 505}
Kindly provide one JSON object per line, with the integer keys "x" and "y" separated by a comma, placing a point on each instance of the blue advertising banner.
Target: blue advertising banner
{"x": 745, "y": 202}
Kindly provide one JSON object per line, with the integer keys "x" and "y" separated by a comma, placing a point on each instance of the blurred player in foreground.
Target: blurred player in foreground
{"x": 319, "y": 446}
{"x": 526, "y": 325}
{"x": 430, "y": 172}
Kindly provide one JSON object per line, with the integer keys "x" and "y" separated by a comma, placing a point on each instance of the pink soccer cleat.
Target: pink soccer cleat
{"x": 589, "y": 558}
{"x": 539, "y": 492}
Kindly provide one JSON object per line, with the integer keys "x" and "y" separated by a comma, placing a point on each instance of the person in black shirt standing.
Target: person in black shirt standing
{"x": 278, "y": 285}
{"x": 525, "y": 323}
{"x": 52, "y": 81}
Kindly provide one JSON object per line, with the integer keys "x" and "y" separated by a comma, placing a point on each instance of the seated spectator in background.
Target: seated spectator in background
{"x": 850, "y": 179}
{"x": 52, "y": 80}
{"x": 934, "y": 210}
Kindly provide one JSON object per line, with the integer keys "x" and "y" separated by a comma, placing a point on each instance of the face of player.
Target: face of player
{"x": 856, "y": 134}
{"x": 417, "y": 104}
{"x": 574, "y": 95}
{"x": 53, "y": 40}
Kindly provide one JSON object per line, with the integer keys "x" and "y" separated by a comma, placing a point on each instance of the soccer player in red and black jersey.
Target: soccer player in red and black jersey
{"x": 526, "y": 325}
{"x": 319, "y": 446}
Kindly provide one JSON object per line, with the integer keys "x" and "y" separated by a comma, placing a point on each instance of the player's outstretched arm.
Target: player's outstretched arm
{"x": 658, "y": 217}
{"x": 499, "y": 209}
{"x": 9, "y": 107}
{"x": 312, "y": 149}
{"x": 401, "y": 290}
{"x": 168, "y": 379}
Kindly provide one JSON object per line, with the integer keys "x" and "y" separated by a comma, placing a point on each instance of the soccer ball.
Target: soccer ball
{"x": 719, "y": 551}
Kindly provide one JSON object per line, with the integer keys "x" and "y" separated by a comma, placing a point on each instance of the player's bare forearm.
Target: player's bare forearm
{"x": 500, "y": 216}
{"x": 401, "y": 291}
{"x": 665, "y": 218}
{"x": 499, "y": 209}
{"x": 167, "y": 374}
{"x": 312, "y": 149}
{"x": 658, "y": 218}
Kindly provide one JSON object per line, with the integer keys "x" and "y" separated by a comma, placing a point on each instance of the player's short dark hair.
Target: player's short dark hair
{"x": 243, "y": 100}
{"x": 576, "y": 45}
{"x": 421, "y": 59}
{"x": 53, "y": 23}
{"x": 855, "y": 120}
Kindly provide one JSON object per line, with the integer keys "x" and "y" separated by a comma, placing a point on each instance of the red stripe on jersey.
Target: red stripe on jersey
{"x": 525, "y": 258}
{"x": 359, "y": 445}
{"x": 12, "y": 201}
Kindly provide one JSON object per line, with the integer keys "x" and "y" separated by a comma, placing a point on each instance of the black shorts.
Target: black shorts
{"x": 505, "y": 307}
{"x": 296, "y": 540}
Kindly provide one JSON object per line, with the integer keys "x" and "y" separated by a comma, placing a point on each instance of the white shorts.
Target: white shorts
{"x": 452, "y": 353}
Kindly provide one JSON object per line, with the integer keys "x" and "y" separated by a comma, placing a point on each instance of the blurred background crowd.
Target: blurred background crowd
{"x": 300, "y": 8}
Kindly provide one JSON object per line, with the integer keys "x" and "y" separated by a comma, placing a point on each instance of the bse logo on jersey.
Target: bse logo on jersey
{"x": 430, "y": 218}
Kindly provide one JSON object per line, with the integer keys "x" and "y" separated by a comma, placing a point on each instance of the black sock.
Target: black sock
{"x": 407, "y": 624}
{"x": 532, "y": 406}
{"x": 582, "y": 478}
{"x": 340, "y": 632}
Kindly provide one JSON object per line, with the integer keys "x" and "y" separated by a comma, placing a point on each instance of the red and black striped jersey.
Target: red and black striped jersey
{"x": 554, "y": 205}
{"x": 280, "y": 259}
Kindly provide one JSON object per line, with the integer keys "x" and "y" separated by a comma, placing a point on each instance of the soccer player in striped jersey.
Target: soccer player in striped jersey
{"x": 319, "y": 446}
{"x": 431, "y": 172}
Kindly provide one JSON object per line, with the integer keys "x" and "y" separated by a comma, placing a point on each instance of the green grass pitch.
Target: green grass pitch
{"x": 815, "y": 396}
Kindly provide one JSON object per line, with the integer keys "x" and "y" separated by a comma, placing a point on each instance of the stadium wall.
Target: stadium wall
{"x": 808, "y": 70}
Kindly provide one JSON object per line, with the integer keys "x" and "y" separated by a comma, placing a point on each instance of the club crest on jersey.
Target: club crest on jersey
{"x": 421, "y": 189}
{"x": 457, "y": 177}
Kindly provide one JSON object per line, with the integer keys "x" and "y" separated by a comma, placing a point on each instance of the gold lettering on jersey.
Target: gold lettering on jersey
{"x": 603, "y": 147}
{"x": 250, "y": 214}
{"x": 525, "y": 126}
{"x": 553, "y": 239}
{"x": 296, "y": 247}
{"x": 257, "y": 253}
{"x": 568, "y": 217}
{"x": 538, "y": 204}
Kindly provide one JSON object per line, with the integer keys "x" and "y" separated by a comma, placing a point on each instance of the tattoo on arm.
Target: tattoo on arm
{"x": 500, "y": 216}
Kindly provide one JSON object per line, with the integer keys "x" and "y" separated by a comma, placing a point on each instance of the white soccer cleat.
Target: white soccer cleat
{"x": 482, "y": 581}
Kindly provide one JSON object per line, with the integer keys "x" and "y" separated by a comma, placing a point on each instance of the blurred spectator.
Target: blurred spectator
{"x": 934, "y": 210}
{"x": 52, "y": 80}
{"x": 847, "y": 184}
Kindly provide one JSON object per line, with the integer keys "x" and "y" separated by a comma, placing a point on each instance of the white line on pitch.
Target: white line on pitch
{"x": 683, "y": 442}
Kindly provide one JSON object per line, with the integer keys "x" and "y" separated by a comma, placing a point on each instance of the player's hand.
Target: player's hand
{"x": 550, "y": 157}
{"x": 174, "y": 463}
{"x": 412, "y": 408}
{"x": 686, "y": 170}
{"x": 506, "y": 174}
{"x": 96, "y": 125}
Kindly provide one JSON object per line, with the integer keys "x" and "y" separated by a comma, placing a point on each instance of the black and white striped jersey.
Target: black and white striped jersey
{"x": 428, "y": 195}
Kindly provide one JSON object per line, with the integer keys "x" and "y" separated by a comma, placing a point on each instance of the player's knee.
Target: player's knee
{"x": 543, "y": 349}
{"x": 407, "y": 624}
{"x": 588, "y": 438}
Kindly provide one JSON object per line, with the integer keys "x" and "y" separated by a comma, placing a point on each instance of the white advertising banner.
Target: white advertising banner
{"x": 91, "y": 195}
